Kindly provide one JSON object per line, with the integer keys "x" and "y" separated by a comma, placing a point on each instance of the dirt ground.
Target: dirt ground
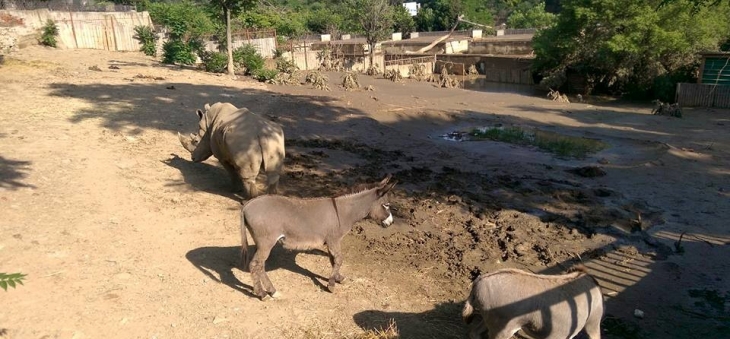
{"x": 122, "y": 236}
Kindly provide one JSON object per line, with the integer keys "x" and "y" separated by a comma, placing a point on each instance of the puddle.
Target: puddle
{"x": 560, "y": 144}
{"x": 480, "y": 83}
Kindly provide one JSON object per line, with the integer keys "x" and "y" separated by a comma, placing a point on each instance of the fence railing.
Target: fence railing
{"x": 703, "y": 95}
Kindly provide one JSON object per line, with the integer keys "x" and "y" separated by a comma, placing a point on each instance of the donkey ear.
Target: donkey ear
{"x": 385, "y": 181}
{"x": 200, "y": 114}
{"x": 389, "y": 186}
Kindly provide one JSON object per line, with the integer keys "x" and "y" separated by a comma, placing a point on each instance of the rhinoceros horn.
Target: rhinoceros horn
{"x": 189, "y": 144}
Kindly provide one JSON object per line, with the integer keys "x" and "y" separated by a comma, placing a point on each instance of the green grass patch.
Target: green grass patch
{"x": 562, "y": 145}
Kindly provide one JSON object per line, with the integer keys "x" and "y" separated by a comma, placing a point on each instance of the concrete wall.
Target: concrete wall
{"x": 496, "y": 47}
{"x": 503, "y": 69}
{"x": 94, "y": 30}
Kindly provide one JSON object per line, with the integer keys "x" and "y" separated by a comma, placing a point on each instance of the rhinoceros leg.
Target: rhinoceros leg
{"x": 272, "y": 182}
{"x": 249, "y": 185}
{"x": 236, "y": 182}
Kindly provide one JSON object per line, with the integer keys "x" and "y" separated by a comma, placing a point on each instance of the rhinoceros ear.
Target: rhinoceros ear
{"x": 200, "y": 114}
{"x": 207, "y": 107}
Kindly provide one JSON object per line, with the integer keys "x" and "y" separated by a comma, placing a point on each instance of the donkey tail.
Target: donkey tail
{"x": 467, "y": 314}
{"x": 244, "y": 240}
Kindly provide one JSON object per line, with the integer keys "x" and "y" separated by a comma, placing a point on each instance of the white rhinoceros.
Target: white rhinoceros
{"x": 242, "y": 141}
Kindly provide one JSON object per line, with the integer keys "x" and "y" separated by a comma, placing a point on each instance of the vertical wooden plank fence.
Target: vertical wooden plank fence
{"x": 703, "y": 95}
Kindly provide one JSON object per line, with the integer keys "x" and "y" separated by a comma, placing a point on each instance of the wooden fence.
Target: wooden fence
{"x": 111, "y": 31}
{"x": 703, "y": 95}
{"x": 264, "y": 41}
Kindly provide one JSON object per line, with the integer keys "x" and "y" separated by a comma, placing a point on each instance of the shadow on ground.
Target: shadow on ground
{"x": 218, "y": 264}
{"x": 12, "y": 173}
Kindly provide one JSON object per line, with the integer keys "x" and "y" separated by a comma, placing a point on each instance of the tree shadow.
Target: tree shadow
{"x": 222, "y": 261}
{"x": 12, "y": 172}
{"x": 443, "y": 321}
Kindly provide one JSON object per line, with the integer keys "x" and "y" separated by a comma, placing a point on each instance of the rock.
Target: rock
{"x": 454, "y": 199}
{"x": 218, "y": 320}
{"x": 639, "y": 313}
{"x": 522, "y": 249}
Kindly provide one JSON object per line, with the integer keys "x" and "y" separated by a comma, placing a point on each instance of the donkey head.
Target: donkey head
{"x": 380, "y": 208}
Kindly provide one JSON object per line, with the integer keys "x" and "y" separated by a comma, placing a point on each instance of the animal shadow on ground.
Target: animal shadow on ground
{"x": 443, "y": 321}
{"x": 222, "y": 260}
{"x": 203, "y": 177}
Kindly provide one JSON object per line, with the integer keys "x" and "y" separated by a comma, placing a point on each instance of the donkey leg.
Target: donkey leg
{"x": 264, "y": 278}
{"x": 261, "y": 282}
{"x": 336, "y": 260}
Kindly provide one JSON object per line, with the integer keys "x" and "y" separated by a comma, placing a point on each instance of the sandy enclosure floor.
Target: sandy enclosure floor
{"x": 122, "y": 236}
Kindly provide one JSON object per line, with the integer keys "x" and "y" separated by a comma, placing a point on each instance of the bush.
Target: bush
{"x": 177, "y": 51}
{"x": 214, "y": 62}
{"x": 264, "y": 75}
{"x": 147, "y": 38}
{"x": 247, "y": 57}
{"x": 286, "y": 66}
{"x": 50, "y": 32}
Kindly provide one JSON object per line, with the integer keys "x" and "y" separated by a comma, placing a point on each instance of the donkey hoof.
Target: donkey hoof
{"x": 331, "y": 287}
{"x": 276, "y": 295}
{"x": 265, "y": 297}
{"x": 341, "y": 280}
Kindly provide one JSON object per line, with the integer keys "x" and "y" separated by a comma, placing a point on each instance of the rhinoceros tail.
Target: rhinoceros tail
{"x": 244, "y": 241}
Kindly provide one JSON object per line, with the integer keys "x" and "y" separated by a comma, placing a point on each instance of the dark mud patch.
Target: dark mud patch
{"x": 454, "y": 225}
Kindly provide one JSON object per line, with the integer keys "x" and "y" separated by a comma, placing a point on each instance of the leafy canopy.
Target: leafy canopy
{"x": 626, "y": 45}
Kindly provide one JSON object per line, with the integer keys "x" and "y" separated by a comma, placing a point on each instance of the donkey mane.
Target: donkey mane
{"x": 571, "y": 275}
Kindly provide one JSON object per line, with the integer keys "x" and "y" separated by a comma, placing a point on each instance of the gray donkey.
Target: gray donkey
{"x": 543, "y": 306}
{"x": 304, "y": 224}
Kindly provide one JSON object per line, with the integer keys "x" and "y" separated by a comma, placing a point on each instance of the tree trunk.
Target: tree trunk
{"x": 372, "y": 54}
{"x": 229, "y": 43}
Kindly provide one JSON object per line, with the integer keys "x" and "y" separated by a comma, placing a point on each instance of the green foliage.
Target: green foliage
{"x": 562, "y": 145}
{"x": 374, "y": 18}
{"x": 402, "y": 21}
{"x": 214, "y": 62}
{"x": 184, "y": 20}
{"x": 324, "y": 20}
{"x": 628, "y": 46}
{"x": 532, "y": 17}
{"x": 147, "y": 38}
{"x": 11, "y": 280}
{"x": 247, "y": 56}
{"x": 49, "y": 34}
{"x": 178, "y": 52}
{"x": 285, "y": 66}
{"x": 439, "y": 15}
{"x": 264, "y": 75}
{"x": 285, "y": 21}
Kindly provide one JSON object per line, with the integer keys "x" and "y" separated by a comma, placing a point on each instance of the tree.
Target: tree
{"x": 531, "y": 17}
{"x": 402, "y": 20}
{"x": 230, "y": 8}
{"x": 375, "y": 19}
{"x": 628, "y": 46}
